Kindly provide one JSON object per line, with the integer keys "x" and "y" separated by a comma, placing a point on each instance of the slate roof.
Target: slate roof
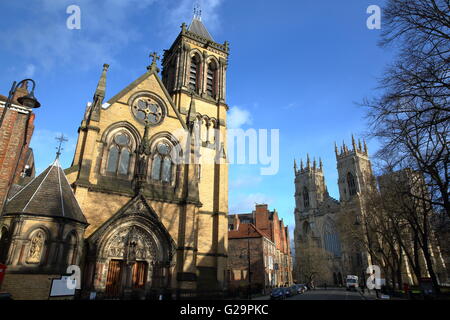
{"x": 49, "y": 194}
{"x": 198, "y": 28}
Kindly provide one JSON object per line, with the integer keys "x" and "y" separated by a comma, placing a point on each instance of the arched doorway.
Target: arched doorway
{"x": 134, "y": 254}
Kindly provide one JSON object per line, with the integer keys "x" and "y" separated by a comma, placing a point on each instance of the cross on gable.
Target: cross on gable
{"x": 154, "y": 57}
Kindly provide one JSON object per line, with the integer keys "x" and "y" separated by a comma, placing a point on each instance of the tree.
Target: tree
{"x": 411, "y": 117}
{"x": 314, "y": 263}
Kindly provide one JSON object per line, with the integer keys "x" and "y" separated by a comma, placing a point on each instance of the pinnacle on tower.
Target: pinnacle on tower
{"x": 99, "y": 95}
{"x": 321, "y": 163}
{"x": 353, "y": 143}
{"x": 365, "y": 147}
{"x": 359, "y": 145}
{"x": 295, "y": 166}
{"x": 301, "y": 164}
{"x": 308, "y": 162}
{"x": 336, "y": 150}
{"x": 101, "y": 86}
{"x": 314, "y": 163}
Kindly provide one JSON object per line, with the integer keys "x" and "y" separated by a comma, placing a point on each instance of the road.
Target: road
{"x": 322, "y": 294}
{"x": 329, "y": 294}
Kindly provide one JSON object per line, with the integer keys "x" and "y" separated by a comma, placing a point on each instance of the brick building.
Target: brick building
{"x": 263, "y": 235}
{"x": 15, "y": 135}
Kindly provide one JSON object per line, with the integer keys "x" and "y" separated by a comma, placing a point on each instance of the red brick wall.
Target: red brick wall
{"x": 11, "y": 140}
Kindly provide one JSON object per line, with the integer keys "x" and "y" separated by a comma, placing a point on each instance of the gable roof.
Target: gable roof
{"x": 247, "y": 230}
{"x": 49, "y": 194}
{"x": 139, "y": 80}
{"x": 199, "y": 29}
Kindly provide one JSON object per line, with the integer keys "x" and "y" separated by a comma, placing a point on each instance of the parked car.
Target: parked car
{"x": 5, "y": 296}
{"x": 278, "y": 294}
{"x": 301, "y": 288}
{"x": 291, "y": 291}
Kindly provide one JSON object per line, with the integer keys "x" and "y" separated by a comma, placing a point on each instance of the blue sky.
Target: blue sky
{"x": 298, "y": 66}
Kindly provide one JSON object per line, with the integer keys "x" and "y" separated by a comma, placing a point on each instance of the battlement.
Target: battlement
{"x": 314, "y": 168}
{"x": 358, "y": 149}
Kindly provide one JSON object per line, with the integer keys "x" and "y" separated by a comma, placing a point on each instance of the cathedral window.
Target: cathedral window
{"x": 351, "y": 184}
{"x": 211, "y": 79}
{"x": 162, "y": 164}
{"x": 194, "y": 73}
{"x": 306, "y": 197}
{"x": 119, "y": 155}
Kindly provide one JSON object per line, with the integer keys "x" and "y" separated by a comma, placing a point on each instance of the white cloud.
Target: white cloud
{"x": 247, "y": 203}
{"x": 238, "y": 117}
{"x": 29, "y": 71}
{"x": 106, "y": 28}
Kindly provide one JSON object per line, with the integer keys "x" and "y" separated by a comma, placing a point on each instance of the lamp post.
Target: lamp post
{"x": 28, "y": 101}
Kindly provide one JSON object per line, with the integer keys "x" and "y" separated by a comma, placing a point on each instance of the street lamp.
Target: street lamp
{"x": 28, "y": 101}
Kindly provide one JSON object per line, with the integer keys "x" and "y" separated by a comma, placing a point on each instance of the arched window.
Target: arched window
{"x": 331, "y": 239}
{"x": 4, "y": 244}
{"x": 211, "y": 79}
{"x": 119, "y": 155}
{"x": 72, "y": 246}
{"x": 36, "y": 248}
{"x": 351, "y": 184}
{"x": 194, "y": 73}
{"x": 306, "y": 197}
{"x": 162, "y": 163}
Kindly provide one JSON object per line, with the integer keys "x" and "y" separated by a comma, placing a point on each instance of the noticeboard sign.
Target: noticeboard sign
{"x": 63, "y": 287}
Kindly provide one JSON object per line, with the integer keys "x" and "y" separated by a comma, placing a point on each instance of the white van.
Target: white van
{"x": 352, "y": 282}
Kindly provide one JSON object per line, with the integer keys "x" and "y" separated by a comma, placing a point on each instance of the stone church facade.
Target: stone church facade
{"x": 150, "y": 179}
{"x": 317, "y": 213}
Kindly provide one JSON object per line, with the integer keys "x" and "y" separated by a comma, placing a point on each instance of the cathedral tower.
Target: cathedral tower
{"x": 310, "y": 188}
{"x": 354, "y": 170}
{"x": 133, "y": 181}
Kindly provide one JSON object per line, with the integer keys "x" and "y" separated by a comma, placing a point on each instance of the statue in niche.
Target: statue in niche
{"x": 36, "y": 248}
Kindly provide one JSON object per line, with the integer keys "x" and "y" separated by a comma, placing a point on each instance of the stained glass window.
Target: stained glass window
{"x": 112, "y": 159}
{"x": 167, "y": 170}
{"x": 124, "y": 161}
{"x": 156, "y": 168}
{"x": 162, "y": 164}
{"x": 119, "y": 155}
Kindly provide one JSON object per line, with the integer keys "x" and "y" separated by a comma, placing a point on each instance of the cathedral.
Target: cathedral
{"x": 143, "y": 207}
{"x": 317, "y": 215}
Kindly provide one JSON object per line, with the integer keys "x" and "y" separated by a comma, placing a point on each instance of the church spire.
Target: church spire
{"x": 197, "y": 25}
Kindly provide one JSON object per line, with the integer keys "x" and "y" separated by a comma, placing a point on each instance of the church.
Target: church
{"x": 144, "y": 205}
